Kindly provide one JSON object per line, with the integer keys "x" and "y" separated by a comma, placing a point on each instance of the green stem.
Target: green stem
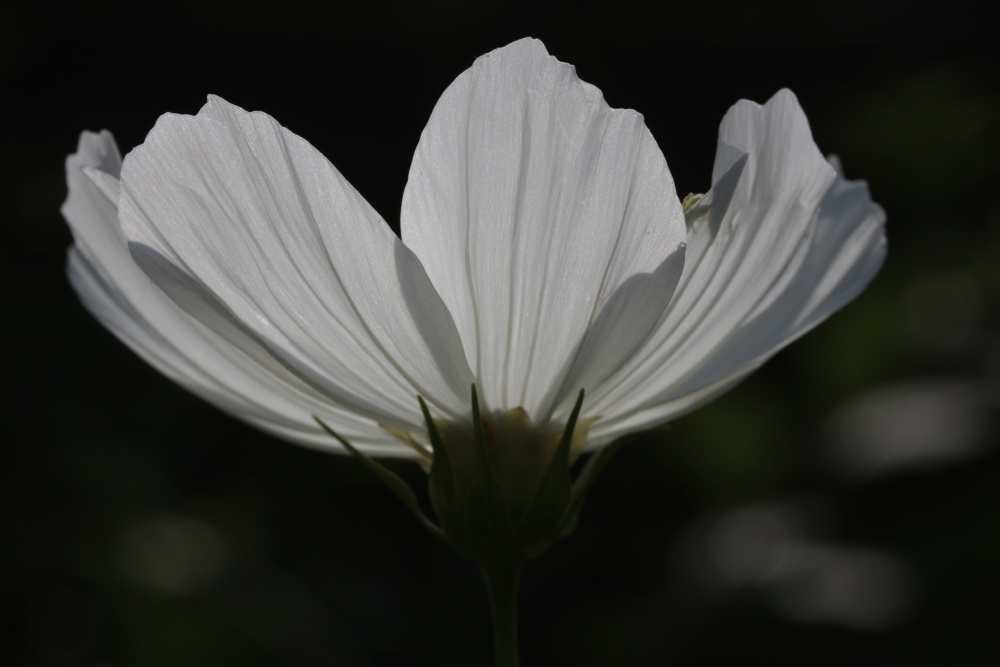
{"x": 502, "y": 574}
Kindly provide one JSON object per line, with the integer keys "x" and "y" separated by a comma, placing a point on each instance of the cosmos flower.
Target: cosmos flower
{"x": 544, "y": 251}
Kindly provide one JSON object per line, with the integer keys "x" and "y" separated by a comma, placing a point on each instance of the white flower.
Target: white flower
{"x": 544, "y": 250}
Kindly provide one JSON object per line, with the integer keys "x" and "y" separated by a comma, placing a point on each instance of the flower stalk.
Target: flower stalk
{"x": 490, "y": 522}
{"x": 503, "y": 574}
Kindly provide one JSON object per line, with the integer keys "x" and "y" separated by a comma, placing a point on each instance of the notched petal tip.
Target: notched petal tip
{"x": 524, "y": 47}
{"x": 98, "y": 150}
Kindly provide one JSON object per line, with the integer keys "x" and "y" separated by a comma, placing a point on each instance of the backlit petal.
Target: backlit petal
{"x": 549, "y": 224}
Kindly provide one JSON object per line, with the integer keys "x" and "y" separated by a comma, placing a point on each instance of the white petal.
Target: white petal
{"x": 91, "y": 211}
{"x": 549, "y": 224}
{"x": 116, "y": 291}
{"x": 793, "y": 243}
{"x": 255, "y": 234}
{"x": 846, "y": 250}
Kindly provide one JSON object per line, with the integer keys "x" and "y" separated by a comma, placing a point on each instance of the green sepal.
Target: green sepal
{"x": 443, "y": 490}
{"x": 547, "y": 513}
{"x": 389, "y": 478}
{"x": 442, "y": 478}
{"x": 488, "y": 517}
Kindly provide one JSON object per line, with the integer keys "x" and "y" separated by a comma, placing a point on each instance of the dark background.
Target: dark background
{"x": 841, "y": 505}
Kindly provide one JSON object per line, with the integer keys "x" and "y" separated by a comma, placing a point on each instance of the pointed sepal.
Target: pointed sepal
{"x": 540, "y": 525}
{"x": 442, "y": 478}
{"x": 488, "y": 515}
{"x": 393, "y": 481}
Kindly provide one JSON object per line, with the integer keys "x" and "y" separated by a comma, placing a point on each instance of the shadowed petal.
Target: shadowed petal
{"x": 779, "y": 244}
{"x": 254, "y": 233}
{"x": 116, "y": 291}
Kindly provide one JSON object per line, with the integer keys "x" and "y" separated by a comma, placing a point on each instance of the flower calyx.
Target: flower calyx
{"x": 499, "y": 485}
{"x": 502, "y": 485}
